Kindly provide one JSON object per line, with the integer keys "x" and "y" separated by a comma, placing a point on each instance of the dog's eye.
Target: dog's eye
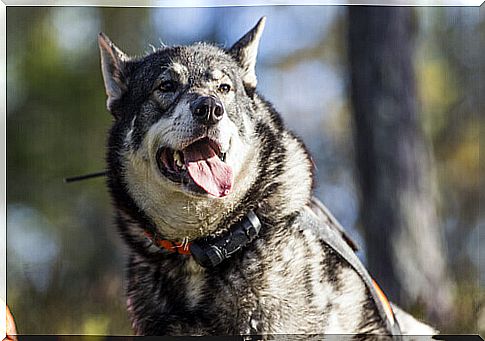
{"x": 224, "y": 88}
{"x": 168, "y": 86}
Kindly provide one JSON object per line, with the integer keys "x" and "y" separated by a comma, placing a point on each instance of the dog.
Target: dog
{"x": 213, "y": 196}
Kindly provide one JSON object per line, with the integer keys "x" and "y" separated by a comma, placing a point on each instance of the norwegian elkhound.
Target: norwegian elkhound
{"x": 213, "y": 197}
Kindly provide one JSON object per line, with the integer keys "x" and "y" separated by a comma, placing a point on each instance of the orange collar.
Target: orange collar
{"x": 176, "y": 247}
{"x": 210, "y": 251}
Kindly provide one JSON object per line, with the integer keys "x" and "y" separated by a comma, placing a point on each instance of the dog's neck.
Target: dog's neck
{"x": 177, "y": 214}
{"x": 210, "y": 251}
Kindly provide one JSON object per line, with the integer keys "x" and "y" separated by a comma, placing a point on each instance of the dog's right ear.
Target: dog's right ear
{"x": 245, "y": 51}
{"x": 113, "y": 67}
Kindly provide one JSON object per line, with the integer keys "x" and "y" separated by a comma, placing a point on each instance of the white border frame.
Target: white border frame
{"x": 139, "y": 3}
{"x": 240, "y": 3}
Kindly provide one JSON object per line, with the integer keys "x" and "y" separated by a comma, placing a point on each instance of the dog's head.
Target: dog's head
{"x": 184, "y": 143}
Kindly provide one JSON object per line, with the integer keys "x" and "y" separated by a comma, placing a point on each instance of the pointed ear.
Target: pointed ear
{"x": 245, "y": 52}
{"x": 113, "y": 67}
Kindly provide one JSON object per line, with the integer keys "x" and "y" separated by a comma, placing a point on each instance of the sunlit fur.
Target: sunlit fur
{"x": 289, "y": 280}
{"x": 176, "y": 212}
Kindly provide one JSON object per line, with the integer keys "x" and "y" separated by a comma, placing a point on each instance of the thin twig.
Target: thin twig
{"x": 85, "y": 177}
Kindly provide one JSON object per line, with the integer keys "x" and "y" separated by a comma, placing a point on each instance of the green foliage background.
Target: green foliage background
{"x": 65, "y": 260}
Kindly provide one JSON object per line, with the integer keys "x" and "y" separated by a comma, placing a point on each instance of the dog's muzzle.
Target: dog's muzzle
{"x": 207, "y": 110}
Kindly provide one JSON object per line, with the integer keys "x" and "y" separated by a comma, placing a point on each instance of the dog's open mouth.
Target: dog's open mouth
{"x": 202, "y": 162}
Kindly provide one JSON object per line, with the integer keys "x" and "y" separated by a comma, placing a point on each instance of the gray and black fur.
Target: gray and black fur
{"x": 289, "y": 280}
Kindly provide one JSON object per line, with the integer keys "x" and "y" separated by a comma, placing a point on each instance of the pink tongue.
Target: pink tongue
{"x": 207, "y": 170}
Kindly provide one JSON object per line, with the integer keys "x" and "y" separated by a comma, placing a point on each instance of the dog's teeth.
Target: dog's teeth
{"x": 178, "y": 159}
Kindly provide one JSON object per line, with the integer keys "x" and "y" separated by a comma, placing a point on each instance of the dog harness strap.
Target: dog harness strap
{"x": 333, "y": 240}
{"x": 384, "y": 301}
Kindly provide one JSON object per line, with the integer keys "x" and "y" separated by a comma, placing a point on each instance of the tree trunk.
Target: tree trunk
{"x": 398, "y": 214}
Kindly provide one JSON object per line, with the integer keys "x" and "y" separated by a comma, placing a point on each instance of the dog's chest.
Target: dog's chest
{"x": 293, "y": 285}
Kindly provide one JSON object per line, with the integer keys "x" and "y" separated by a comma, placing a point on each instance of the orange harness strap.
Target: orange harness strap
{"x": 385, "y": 301}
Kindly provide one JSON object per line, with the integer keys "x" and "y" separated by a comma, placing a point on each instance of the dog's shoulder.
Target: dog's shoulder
{"x": 305, "y": 267}
{"x": 324, "y": 215}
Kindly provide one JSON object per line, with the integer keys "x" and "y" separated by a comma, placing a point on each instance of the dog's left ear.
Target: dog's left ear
{"x": 245, "y": 52}
{"x": 113, "y": 66}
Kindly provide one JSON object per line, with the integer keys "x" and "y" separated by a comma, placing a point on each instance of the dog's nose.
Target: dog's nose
{"x": 207, "y": 110}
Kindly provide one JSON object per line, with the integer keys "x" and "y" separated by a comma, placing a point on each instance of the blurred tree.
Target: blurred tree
{"x": 398, "y": 215}
{"x": 57, "y": 122}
